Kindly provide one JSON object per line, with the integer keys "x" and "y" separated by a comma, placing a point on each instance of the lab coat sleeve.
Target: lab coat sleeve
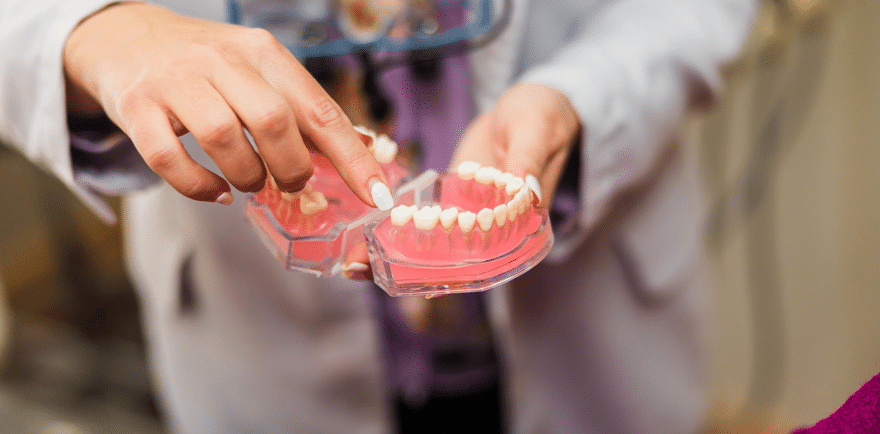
{"x": 632, "y": 75}
{"x": 33, "y": 110}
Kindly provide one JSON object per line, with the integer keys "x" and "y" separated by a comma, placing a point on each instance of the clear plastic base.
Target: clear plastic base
{"x": 315, "y": 244}
{"x": 404, "y": 260}
{"x": 409, "y": 261}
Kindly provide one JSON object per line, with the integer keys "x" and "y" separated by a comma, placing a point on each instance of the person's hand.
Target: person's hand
{"x": 158, "y": 75}
{"x": 529, "y": 133}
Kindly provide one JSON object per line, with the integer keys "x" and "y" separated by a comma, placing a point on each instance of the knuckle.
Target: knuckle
{"x": 325, "y": 114}
{"x": 161, "y": 159}
{"x": 274, "y": 120}
{"x": 220, "y": 132}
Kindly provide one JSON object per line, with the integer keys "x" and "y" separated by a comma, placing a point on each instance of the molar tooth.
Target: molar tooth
{"x": 448, "y": 217}
{"x": 401, "y": 215}
{"x": 384, "y": 149}
{"x": 467, "y": 169}
{"x": 486, "y": 175}
{"x": 514, "y": 185}
{"x": 500, "y": 213}
{"x": 466, "y": 221}
{"x": 502, "y": 180}
{"x": 485, "y": 219}
{"x": 312, "y": 203}
{"x": 426, "y": 218}
{"x": 437, "y": 209}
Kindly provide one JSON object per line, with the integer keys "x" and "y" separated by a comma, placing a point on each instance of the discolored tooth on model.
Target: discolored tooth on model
{"x": 502, "y": 180}
{"x": 384, "y": 149}
{"x": 514, "y": 185}
{"x": 500, "y": 213}
{"x": 467, "y": 169}
{"x": 448, "y": 217}
{"x": 485, "y": 219}
{"x": 401, "y": 215}
{"x": 312, "y": 203}
{"x": 466, "y": 221}
{"x": 426, "y": 218}
{"x": 486, "y": 175}
{"x": 289, "y": 197}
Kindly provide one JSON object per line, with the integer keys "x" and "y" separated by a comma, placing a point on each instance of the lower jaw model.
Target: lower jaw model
{"x": 457, "y": 232}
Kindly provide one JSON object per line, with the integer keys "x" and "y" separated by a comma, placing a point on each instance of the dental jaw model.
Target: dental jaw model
{"x": 311, "y": 230}
{"x": 459, "y": 232}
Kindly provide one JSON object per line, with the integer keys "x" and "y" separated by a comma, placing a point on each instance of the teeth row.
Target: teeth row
{"x": 427, "y": 217}
{"x": 383, "y": 148}
{"x": 489, "y": 175}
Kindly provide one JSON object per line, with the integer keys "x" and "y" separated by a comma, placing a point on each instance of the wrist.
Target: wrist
{"x": 78, "y": 59}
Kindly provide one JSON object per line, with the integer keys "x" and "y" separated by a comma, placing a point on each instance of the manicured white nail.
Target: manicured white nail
{"x": 381, "y": 195}
{"x": 225, "y": 198}
{"x": 534, "y": 185}
{"x": 356, "y": 267}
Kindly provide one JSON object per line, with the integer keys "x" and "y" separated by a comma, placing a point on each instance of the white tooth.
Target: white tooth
{"x": 437, "y": 209}
{"x": 522, "y": 201}
{"x": 512, "y": 210}
{"x": 514, "y": 185}
{"x": 502, "y": 180}
{"x": 486, "y": 175}
{"x": 426, "y": 218}
{"x": 500, "y": 213}
{"x": 401, "y": 215}
{"x": 466, "y": 221}
{"x": 384, "y": 149}
{"x": 448, "y": 217}
{"x": 312, "y": 203}
{"x": 467, "y": 169}
{"x": 485, "y": 219}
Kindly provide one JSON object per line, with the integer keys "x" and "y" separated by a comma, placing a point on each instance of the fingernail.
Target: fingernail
{"x": 381, "y": 195}
{"x": 534, "y": 185}
{"x": 225, "y": 198}
{"x": 356, "y": 267}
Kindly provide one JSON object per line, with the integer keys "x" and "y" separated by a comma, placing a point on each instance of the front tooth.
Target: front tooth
{"x": 486, "y": 175}
{"x": 384, "y": 149}
{"x": 485, "y": 219}
{"x": 466, "y": 221}
{"x": 467, "y": 169}
{"x": 512, "y": 210}
{"x": 522, "y": 201}
{"x": 500, "y": 213}
{"x": 312, "y": 203}
{"x": 502, "y": 180}
{"x": 514, "y": 185}
{"x": 448, "y": 217}
{"x": 426, "y": 218}
{"x": 401, "y": 215}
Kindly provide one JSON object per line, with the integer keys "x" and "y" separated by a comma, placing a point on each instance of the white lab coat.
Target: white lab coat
{"x": 607, "y": 336}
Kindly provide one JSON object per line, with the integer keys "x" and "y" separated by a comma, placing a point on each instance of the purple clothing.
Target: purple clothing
{"x": 860, "y": 414}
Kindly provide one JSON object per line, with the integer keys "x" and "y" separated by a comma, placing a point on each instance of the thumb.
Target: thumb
{"x": 531, "y": 158}
{"x": 478, "y": 144}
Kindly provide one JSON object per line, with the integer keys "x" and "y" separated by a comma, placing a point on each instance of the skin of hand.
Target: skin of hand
{"x": 158, "y": 75}
{"x": 529, "y": 131}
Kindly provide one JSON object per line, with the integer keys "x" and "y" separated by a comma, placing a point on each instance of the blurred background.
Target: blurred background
{"x": 792, "y": 163}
